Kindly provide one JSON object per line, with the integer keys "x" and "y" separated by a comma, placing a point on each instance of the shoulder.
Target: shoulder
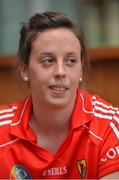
{"x": 103, "y": 110}
{"x": 104, "y": 116}
{"x": 10, "y": 120}
{"x": 98, "y": 106}
{"x": 7, "y": 113}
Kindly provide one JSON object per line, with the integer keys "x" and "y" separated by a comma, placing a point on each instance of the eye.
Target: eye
{"x": 47, "y": 61}
{"x": 71, "y": 61}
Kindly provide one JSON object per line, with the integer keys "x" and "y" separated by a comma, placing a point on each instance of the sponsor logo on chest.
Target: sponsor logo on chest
{"x": 111, "y": 153}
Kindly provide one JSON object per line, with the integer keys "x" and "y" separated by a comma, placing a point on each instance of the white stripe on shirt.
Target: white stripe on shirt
{"x": 104, "y": 110}
{"x": 10, "y": 142}
{"x": 103, "y": 116}
{"x": 6, "y": 116}
{"x": 8, "y": 110}
{"x": 102, "y": 104}
{"x": 5, "y": 122}
{"x": 93, "y": 133}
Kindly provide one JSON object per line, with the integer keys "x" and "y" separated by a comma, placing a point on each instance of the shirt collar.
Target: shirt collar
{"x": 82, "y": 114}
{"x": 83, "y": 109}
{"x": 20, "y": 126}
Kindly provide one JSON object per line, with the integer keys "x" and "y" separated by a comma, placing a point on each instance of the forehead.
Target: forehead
{"x": 56, "y": 37}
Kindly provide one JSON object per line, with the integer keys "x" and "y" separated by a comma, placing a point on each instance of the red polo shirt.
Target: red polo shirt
{"x": 90, "y": 150}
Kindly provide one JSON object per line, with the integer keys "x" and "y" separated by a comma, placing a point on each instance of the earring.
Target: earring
{"x": 80, "y": 80}
{"x": 26, "y": 78}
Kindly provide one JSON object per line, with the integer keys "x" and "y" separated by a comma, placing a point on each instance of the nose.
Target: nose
{"x": 59, "y": 70}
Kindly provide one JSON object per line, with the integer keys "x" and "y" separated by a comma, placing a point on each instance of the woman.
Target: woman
{"x": 59, "y": 131}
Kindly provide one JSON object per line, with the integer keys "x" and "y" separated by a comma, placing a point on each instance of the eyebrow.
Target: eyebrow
{"x": 72, "y": 53}
{"x": 45, "y": 53}
{"x": 49, "y": 53}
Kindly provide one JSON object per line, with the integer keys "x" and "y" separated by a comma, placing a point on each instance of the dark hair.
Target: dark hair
{"x": 43, "y": 21}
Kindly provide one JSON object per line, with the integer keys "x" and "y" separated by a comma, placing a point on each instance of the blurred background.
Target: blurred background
{"x": 99, "y": 19}
{"x": 100, "y": 23}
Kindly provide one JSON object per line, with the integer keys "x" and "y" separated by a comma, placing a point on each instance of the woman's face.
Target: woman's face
{"x": 55, "y": 68}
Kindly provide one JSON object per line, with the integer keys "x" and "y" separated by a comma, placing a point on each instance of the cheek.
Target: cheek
{"x": 76, "y": 74}
{"x": 38, "y": 76}
{"x": 75, "y": 81}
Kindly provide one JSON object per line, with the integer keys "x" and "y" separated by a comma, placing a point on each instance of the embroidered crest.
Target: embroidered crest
{"x": 19, "y": 172}
{"x": 82, "y": 168}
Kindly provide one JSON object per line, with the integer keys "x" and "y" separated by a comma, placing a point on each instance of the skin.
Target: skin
{"x": 55, "y": 68}
{"x": 112, "y": 176}
{"x": 54, "y": 72}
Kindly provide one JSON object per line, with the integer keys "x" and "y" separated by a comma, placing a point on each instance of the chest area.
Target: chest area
{"x": 77, "y": 157}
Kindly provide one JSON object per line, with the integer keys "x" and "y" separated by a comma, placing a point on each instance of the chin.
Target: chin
{"x": 59, "y": 104}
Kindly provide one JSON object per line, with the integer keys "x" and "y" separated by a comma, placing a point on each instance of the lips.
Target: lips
{"x": 58, "y": 89}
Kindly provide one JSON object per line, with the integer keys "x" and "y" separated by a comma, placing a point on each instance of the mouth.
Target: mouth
{"x": 58, "y": 89}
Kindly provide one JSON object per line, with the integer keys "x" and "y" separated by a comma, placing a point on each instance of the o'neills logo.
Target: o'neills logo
{"x": 82, "y": 168}
{"x": 55, "y": 171}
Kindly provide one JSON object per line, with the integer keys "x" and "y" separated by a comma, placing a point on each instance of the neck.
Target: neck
{"x": 45, "y": 120}
{"x": 51, "y": 125}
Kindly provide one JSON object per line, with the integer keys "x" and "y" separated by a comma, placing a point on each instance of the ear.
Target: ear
{"x": 24, "y": 73}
